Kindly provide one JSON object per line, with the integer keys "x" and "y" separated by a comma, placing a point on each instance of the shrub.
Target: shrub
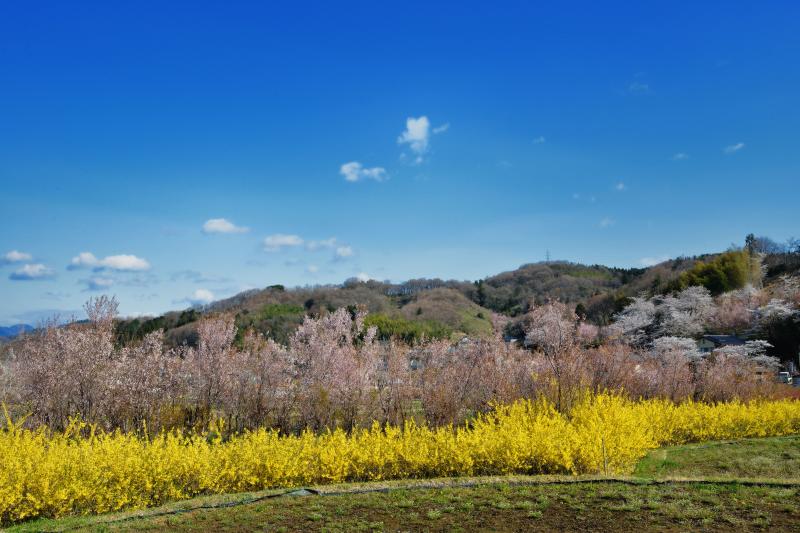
{"x": 726, "y": 272}
{"x": 85, "y": 470}
{"x": 408, "y": 331}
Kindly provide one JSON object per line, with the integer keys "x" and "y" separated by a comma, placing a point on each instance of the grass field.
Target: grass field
{"x": 777, "y": 458}
{"x": 750, "y": 485}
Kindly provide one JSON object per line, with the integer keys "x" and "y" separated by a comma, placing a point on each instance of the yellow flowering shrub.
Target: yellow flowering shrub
{"x": 44, "y": 473}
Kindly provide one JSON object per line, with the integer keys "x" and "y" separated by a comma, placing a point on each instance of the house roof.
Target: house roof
{"x": 725, "y": 340}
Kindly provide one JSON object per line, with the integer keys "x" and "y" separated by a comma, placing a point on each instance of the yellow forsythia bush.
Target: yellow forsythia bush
{"x": 43, "y": 473}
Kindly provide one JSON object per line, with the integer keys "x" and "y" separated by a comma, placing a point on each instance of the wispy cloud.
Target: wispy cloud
{"x": 620, "y": 186}
{"x": 122, "y": 262}
{"x": 32, "y": 272}
{"x": 343, "y": 252}
{"x": 15, "y": 256}
{"x": 733, "y": 148}
{"x": 650, "y": 261}
{"x": 56, "y": 295}
{"x": 312, "y": 269}
{"x": 280, "y": 241}
{"x": 222, "y": 225}
{"x": 607, "y": 222}
{"x": 638, "y": 87}
{"x": 197, "y": 277}
{"x": 98, "y": 283}
{"x": 355, "y": 171}
{"x": 141, "y": 279}
{"x": 680, "y": 156}
{"x": 40, "y": 316}
{"x": 590, "y": 198}
{"x": 539, "y": 140}
{"x": 313, "y": 246}
{"x": 441, "y": 129}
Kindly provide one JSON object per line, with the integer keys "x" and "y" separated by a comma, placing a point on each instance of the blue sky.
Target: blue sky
{"x": 389, "y": 140}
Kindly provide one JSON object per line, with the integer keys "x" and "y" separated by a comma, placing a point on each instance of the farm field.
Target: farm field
{"x": 747, "y": 485}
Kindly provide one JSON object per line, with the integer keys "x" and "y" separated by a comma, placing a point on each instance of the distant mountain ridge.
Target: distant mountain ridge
{"x": 10, "y": 332}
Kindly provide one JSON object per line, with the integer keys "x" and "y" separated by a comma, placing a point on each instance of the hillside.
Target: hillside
{"x": 601, "y": 290}
{"x": 423, "y": 307}
{"x": 451, "y": 308}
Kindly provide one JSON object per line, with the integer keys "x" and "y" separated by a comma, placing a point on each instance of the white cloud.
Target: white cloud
{"x": 733, "y": 148}
{"x": 201, "y": 297}
{"x": 441, "y": 129}
{"x": 122, "y": 262}
{"x": 355, "y": 171}
{"x": 313, "y": 246}
{"x": 279, "y": 241}
{"x": 125, "y": 262}
{"x": 31, "y": 272}
{"x": 539, "y": 140}
{"x": 83, "y": 259}
{"x": 312, "y": 269}
{"x": 344, "y": 251}
{"x": 416, "y": 135}
{"x": 15, "y": 256}
{"x": 222, "y": 225}
{"x": 650, "y": 261}
{"x": 607, "y": 222}
{"x": 363, "y": 277}
{"x": 620, "y": 186}
{"x": 98, "y": 283}
{"x": 680, "y": 156}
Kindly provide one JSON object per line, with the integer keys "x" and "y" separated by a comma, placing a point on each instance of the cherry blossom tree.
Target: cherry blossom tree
{"x": 684, "y": 314}
{"x": 553, "y": 333}
{"x": 208, "y": 365}
{"x": 636, "y": 322}
{"x": 63, "y": 372}
{"x": 260, "y": 388}
{"x": 336, "y": 361}
{"x": 735, "y": 310}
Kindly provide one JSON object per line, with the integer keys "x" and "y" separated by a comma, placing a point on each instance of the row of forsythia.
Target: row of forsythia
{"x": 47, "y": 474}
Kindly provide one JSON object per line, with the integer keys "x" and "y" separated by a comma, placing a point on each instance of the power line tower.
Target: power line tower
{"x": 547, "y": 257}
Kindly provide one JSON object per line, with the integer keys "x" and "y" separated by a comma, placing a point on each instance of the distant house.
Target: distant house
{"x": 709, "y": 343}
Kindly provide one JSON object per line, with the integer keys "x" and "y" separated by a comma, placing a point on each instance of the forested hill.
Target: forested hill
{"x": 597, "y": 287}
{"x": 451, "y": 308}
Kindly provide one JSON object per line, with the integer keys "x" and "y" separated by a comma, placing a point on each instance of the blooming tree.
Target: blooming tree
{"x": 553, "y": 333}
